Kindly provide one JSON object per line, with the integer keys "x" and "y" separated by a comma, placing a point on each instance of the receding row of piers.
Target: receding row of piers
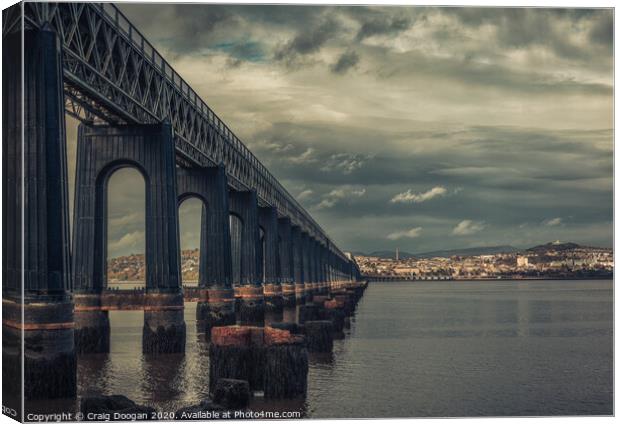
{"x": 253, "y": 258}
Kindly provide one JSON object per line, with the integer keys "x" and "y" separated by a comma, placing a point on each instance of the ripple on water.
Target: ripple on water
{"x": 414, "y": 349}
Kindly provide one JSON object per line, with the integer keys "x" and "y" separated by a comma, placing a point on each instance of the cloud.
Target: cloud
{"x": 345, "y": 162}
{"x": 272, "y": 146}
{"x": 307, "y": 41}
{"x": 126, "y": 219}
{"x": 602, "y": 31}
{"x": 520, "y": 116}
{"x": 305, "y": 157}
{"x": 382, "y": 25}
{"x": 129, "y": 243}
{"x": 306, "y": 194}
{"x": 410, "y": 197}
{"x": 467, "y": 227}
{"x": 412, "y": 233}
{"x": 553, "y": 222}
{"x": 560, "y": 31}
{"x": 336, "y": 195}
{"x": 346, "y": 61}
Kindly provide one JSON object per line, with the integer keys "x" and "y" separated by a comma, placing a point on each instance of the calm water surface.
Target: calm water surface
{"x": 414, "y": 349}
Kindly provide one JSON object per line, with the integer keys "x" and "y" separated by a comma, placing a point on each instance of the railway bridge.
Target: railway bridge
{"x": 260, "y": 249}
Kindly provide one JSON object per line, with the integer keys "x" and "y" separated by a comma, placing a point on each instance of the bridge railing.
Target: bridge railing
{"x": 201, "y": 137}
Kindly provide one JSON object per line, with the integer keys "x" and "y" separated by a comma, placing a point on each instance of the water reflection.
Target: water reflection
{"x": 413, "y": 349}
{"x": 95, "y": 367}
{"x": 321, "y": 358}
{"x": 162, "y": 377}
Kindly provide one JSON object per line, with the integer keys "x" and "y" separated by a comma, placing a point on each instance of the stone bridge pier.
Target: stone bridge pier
{"x": 245, "y": 245}
{"x": 286, "y": 262}
{"x": 298, "y": 265}
{"x": 102, "y": 150}
{"x": 52, "y": 290}
{"x": 216, "y": 306}
{"x": 37, "y": 306}
{"x": 272, "y": 289}
{"x": 308, "y": 265}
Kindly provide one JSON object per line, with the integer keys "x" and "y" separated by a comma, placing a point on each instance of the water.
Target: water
{"x": 414, "y": 349}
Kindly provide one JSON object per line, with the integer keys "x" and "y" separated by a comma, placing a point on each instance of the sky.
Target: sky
{"x": 421, "y": 128}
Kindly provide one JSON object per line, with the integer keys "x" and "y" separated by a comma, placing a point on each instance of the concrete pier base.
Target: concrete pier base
{"x": 286, "y": 369}
{"x": 288, "y": 294}
{"x": 271, "y": 360}
{"x": 274, "y": 301}
{"x": 319, "y": 335}
{"x": 289, "y": 314}
{"x": 347, "y": 303}
{"x": 336, "y": 315}
{"x": 49, "y": 359}
{"x": 251, "y": 305}
{"x": 319, "y": 299}
{"x": 310, "y": 289}
{"x": 300, "y": 293}
{"x": 216, "y": 308}
{"x": 309, "y": 312}
{"x": 92, "y": 324}
{"x": 164, "y": 327}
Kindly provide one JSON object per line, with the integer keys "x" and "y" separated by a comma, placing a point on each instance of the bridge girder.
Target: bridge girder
{"x": 114, "y": 75}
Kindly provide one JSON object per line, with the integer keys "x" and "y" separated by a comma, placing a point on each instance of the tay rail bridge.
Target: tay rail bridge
{"x": 259, "y": 250}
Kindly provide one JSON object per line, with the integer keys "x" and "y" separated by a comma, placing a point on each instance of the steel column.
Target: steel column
{"x": 216, "y": 304}
{"x": 298, "y": 264}
{"x": 285, "y": 250}
{"x": 250, "y": 291}
{"x": 36, "y": 248}
{"x": 268, "y": 221}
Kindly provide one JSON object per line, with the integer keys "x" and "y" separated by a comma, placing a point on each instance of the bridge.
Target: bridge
{"x": 260, "y": 249}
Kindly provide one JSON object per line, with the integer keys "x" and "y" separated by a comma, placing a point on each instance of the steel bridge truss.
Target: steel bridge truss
{"x": 113, "y": 74}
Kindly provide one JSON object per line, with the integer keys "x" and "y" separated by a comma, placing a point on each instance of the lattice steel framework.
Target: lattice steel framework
{"x": 113, "y": 74}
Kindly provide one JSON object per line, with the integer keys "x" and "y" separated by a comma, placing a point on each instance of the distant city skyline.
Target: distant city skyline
{"x": 421, "y": 128}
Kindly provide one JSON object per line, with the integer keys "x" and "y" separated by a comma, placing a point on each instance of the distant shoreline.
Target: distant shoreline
{"x": 387, "y": 279}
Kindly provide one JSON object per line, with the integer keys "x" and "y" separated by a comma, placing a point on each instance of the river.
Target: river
{"x": 414, "y": 349}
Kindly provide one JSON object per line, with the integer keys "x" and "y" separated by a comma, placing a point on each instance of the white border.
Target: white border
{"x": 484, "y": 3}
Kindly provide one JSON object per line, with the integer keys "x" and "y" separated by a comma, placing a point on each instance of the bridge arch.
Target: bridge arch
{"x": 107, "y": 196}
{"x": 193, "y": 235}
{"x": 102, "y": 150}
{"x": 215, "y": 276}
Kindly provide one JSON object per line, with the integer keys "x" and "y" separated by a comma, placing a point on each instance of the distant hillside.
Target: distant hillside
{"x": 471, "y": 251}
{"x": 390, "y": 254}
{"x": 474, "y": 251}
{"x": 558, "y": 247}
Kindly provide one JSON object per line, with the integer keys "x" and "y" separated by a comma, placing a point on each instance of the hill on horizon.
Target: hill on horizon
{"x": 474, "y": 251}
{"x": 554, "y": 246}
{"x": 469, "y": 251}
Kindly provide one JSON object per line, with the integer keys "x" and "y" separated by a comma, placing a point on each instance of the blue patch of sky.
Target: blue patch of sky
{"x": 250, "y": 51}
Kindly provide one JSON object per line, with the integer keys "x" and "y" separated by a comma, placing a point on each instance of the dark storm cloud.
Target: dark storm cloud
{"x": 346, "y": 61}
{"x": 506, "y": 177}
{"x": 489, "y": 75}
{"x": 184, "y": 28}
{"x": 308, "y": 40}
{"x": 240, "y": 52}
{"x": 383, "y": 25}
{"x": 524, "y": 27}
{"x": 505, "y": 112}
{"x": 602, "y": 31}
{"x": 492, "y": 157}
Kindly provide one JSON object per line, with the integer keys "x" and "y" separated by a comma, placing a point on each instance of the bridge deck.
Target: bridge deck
{"x": 113, "y": 74}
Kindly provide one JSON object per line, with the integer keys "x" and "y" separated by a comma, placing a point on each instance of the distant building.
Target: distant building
{"x": 522, "y": 261}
